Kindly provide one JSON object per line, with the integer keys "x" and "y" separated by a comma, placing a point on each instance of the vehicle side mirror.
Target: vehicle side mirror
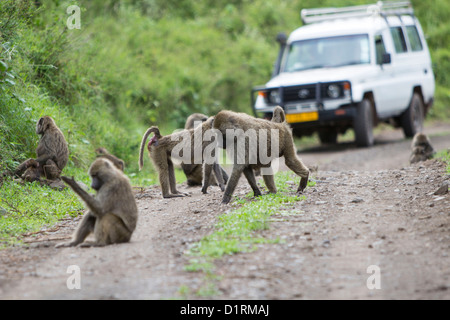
{"x": 281, "y": 38}
{"x": 386, "y": 58}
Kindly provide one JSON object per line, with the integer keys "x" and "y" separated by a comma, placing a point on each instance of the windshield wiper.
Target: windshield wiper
{"x": 318, "y": 66}
{"x": 350, "y": 63}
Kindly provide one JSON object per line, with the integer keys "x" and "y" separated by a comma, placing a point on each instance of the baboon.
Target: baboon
{"x": 193, "y": 118}
{"x": 421, "y": 148}
{"x": 112, "y": 214}
{"x": 241, "y": 125}
{"x": 52, "y": 153}
{"x": 103, "y": 153}
{"x": 194, "y": 172}
{"x": 160, "y": 151}
{"x": 278, "y": 115}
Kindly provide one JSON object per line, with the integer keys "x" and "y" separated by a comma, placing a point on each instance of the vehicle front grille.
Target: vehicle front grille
{"x": 299, "y": 93}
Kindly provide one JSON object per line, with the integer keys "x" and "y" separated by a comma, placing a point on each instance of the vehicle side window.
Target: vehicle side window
{"x": 414, "y": 39}
{"x": 399, "y": 39}
{"x": 380, "y": 48}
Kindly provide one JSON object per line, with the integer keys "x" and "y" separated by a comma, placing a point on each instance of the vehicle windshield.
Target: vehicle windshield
{"x": 327, "y": 53}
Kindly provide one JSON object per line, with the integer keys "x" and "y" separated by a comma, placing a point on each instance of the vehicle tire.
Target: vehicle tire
{"x": 412, "y": 119}
{"x": 363, "y": 124}
{"x": 328, "y": 136}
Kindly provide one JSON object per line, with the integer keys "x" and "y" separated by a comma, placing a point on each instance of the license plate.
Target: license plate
{"x": 302, "y": 117}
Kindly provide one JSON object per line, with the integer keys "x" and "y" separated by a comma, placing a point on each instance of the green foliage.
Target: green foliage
{"x": 26, "y": 208}
{"x": 444, "y": 155}
{"x": 235, "y": 230}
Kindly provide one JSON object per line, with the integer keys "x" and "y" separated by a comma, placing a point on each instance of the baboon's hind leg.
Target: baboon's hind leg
{"x": 296, "y": 165}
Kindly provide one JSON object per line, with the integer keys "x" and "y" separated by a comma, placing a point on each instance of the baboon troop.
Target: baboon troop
{"x": 161, "y": 149}
{"x": 239, "y": 124}
{"x": 52, "y": 153}
{"x": 421, "y": 148}
{"x": 112, "y": 213}
{"x": 252, "y": 144}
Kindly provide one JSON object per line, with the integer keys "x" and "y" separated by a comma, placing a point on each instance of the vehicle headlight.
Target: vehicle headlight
{"x": 333, "y": 91}
{"x": 275, "y": 97}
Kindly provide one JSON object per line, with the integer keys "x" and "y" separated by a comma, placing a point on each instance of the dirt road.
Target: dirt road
{"x": 371, "y": 228}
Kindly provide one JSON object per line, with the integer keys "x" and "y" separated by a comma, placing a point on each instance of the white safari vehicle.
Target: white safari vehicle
{"x": 351, "y": 67}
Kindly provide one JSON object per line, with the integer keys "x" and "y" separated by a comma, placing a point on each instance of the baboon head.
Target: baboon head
{"x": 44, "y": 124}
{"x": 101, "y": 171}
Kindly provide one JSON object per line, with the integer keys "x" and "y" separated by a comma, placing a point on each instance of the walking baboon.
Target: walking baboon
{"x": 194, "y": 172}
{"x": 237, "y": 126}
{"x": 103, "y": 153}
{"x": 161, "y": 149}
{"x": 52, "y": 153}
{"x": 421, "y": 148}
{"x": 112, "y": 214}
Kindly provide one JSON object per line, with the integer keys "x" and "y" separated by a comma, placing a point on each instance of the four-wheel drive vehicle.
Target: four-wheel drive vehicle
{"x": 351, "y": 67}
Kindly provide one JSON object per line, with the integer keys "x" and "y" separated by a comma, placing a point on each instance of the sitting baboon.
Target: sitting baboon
{"x": 161, "y": 150}
{"x": 52, "y": 153}
{"x": 194, "y": 172}
{"x": 103, "y": 153}
{"x": 238, "y": 127}
{"x": 112, "y": 214}
{"x": 421, "y": 148}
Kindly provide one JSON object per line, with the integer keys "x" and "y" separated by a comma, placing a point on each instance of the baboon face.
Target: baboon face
{"x": 100, "y": 172}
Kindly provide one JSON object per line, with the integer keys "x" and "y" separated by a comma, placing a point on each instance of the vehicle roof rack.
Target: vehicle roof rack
{"x": 381, "y": 8}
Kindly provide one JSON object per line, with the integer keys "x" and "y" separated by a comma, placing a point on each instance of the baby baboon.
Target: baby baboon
{"x": 240, "y": 126}
{"x": 103, "y": 153}
{"x": 32, "y": 172}
{"x": 160, "y": 151}
{"x": 421, "y": 148}
{"x": 52, "y": 152}
{"x": 112, "y": 214}
{"x": 194, "y": 172}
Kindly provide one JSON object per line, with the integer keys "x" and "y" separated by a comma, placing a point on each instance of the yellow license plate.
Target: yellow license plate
{"x": 302, "y": 117}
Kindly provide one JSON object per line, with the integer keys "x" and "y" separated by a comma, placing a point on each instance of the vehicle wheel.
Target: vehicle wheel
{"x": 363, "y": 124}
{"x": 412, "y": 119}
{"x": 328, "y": 136}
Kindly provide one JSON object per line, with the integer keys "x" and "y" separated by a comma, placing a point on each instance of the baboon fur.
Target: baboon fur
{"x": 113, "y": 212}
{"x": 103, "y": 153}
{"x": 194, "y": 172}
{"x": 421, "y": 148}
{"x": 232, "y": 120}
{"x": 52, "y": 153}
{"x": 160, "y": 152}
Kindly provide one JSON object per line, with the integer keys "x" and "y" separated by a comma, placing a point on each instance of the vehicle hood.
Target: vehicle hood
{"x": 354, "y": 74}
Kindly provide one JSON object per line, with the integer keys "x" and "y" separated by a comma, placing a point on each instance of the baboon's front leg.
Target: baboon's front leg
{"x": 270, "y": 183}
{"x": 232, "y": 183}
{"x": 207, "y": 168}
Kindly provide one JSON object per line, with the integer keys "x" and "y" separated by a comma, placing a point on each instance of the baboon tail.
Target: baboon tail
{"x": 153, "y": 129}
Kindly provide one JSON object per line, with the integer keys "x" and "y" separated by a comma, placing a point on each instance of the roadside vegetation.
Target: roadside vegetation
{"x": 136, "y": 63}
{"x": 237, "y": 229}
